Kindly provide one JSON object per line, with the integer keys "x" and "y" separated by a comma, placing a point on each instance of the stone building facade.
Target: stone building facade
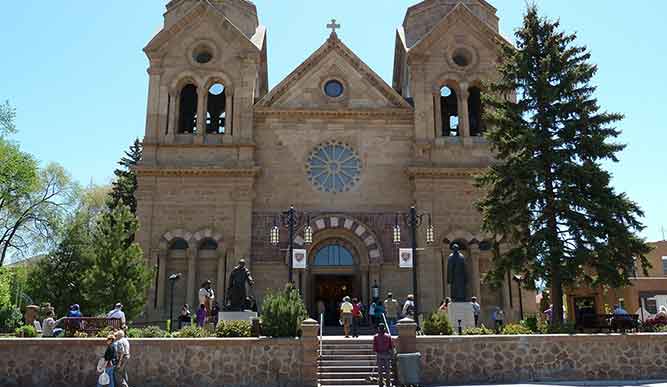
{"x": 224, "y": 156}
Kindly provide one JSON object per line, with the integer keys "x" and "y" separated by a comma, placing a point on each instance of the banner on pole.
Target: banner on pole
{"x": 405, "y": 258}
{"x": 299, "y": 258}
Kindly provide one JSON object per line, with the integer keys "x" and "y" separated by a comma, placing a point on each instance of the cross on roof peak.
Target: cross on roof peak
{"x": 333, "y": 26}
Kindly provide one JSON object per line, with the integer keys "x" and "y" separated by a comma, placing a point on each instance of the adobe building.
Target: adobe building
{"x": 644, "y": 297}
{"x": 225, "y": 157}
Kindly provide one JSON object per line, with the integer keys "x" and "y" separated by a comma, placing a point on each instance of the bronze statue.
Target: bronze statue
{"x": 238, "y": 278}
{"x": 456, "y": 274}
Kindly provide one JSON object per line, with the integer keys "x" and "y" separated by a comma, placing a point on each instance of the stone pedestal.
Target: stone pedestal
{"x": 463, "y": 312}
{"x": 237, "y": 316}
{"x": 407, "y": 336}
{"x": 310, "y": 342}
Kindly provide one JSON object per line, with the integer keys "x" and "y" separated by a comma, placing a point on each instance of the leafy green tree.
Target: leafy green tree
{"x": 7, "y": 118}
{"x": 58, "y": 277}
{"x": 119, "y": 272}
{"x": 549, "y": 197}
{"x": 125, "y": 185}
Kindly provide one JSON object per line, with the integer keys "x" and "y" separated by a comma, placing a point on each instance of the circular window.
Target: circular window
{"x": 462, "y": 57}
{"x": 203, "y": 56}
{"x": 333, "y": 89}
{"x": 334, "y": 167}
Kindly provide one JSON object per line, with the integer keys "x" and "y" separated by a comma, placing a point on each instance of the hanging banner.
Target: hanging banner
{"x": 405, "y": 258}
{"x": 299, "y": 258}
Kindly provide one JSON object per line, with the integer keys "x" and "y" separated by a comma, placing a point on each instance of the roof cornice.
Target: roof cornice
{"x": 250, "y": 172}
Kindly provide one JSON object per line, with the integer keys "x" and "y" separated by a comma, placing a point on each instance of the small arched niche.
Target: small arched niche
{"x": 449, "y": 108}
{"x": 187, "y": 114}
{"x": 216, "y": 104}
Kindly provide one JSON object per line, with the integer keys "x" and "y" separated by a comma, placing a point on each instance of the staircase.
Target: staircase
{"x": 347, "y": 362}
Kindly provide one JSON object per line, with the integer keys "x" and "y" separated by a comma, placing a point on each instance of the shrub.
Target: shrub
{"x": 282, "y": 313}
{"x": 80, "y": 335}
{"x": 234, "y": 329}
{"x": 437, "y": 324}
{"x": 26, "y": 331}
{"x": 480, "y": 331}
{"x": 104, "y": 332}
{"x": 566, "y": 327}
{"x": 531, "y": 323}
{"x": 10, "y": 318}
{"x": 516, "y": 329}
{"x": 662, "y": 329}
{"x": 191, "y": 331}
{"x": 147, "y": 332}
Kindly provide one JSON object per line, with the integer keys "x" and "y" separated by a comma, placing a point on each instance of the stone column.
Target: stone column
{"x": 476, "y": 287}
{"x": 464, "y": 122}
{"x": 220, "y": 280}
{"x": 154, "y": 100}
{"x": 162, "y": 278}
{"x": 310, "y": 342}
{"x": 243, "y": 221}
{"x": 202, "y": 96}
{"x": 437, "y": 109}
{"x": 173, "y": 118}
{"x": 407, "y": 336}
{"x": 192, "y": 276}
{"x": 229, "y": 113}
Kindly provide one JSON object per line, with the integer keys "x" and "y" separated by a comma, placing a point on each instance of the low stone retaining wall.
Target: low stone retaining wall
{"x": 155, "y": 362}
{"x": 539, "y": 358}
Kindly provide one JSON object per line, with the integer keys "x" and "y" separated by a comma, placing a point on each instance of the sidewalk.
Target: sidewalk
{"x": 609, "y": 383}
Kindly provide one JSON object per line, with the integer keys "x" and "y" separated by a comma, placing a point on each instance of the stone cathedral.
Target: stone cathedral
{"x": 225, "y": 157}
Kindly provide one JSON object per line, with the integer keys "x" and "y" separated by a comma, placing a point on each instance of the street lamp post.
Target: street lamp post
{"x": 172, "y": 280}
{"x": 414, "y": 220}
{"x": 291, "y": 220}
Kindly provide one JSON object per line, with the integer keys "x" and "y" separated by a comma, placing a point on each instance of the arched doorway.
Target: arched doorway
{"x": 334, "y": 274}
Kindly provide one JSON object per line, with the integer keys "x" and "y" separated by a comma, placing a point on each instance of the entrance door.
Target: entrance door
{"x": 329, "y": 293}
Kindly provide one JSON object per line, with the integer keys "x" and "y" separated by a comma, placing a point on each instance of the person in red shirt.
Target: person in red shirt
{"x": 356, "y": 317}
{"x": 384, "y": 350}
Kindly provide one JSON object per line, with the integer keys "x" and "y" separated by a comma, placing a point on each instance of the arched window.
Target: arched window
{"x": 216, "y": 116}
{"x": 208, "y": 244}
{"x": 449, "y": 107}
{"x": 333, "y": 255}
{"x": 187, "y": 115}
{"x": 178, "y": 244}
{"x": 475, "y": 111}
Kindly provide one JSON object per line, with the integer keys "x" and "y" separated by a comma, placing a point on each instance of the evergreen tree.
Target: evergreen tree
{"x": 125, "y": 185}
{"x": 119, "y": 272}
{"x": 548, "y": 196}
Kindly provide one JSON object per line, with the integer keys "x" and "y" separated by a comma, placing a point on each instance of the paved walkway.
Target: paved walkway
{"x": 612, "y": 383}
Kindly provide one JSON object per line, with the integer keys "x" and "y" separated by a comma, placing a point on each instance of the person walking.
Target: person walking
{"x": 109, "y": 362}
{"x": 346, "y": 309}
{"x": 118, "y": 313}
{"x": 409, "y": 307}
{"x": 392, "y": 308}
{"x": 207, "y": 296}
{"x": 384, "y": 351}
{"x": 476, "y": 310}
{"x": 498, "y": 319}
{"x": 378, "y": 312}
{"x": 122, "y": 359}
{"x": 357, "y": 315}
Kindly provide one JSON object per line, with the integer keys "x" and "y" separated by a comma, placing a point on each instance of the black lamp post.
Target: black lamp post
{"x": 290, "y": 219}
{"x": 414, "y": 220}
{"x": 518, "y": 280}
{"x": 172, "y": 280}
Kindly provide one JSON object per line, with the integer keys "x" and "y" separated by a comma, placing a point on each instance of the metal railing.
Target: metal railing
{"x": 321, "y": 332}
{"x": 386, "y": 323}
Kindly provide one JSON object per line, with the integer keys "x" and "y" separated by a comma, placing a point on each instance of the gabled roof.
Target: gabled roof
{"x": 201, "y": 10}
{"x": 333, "y": 44}
{"x": 459, "y": 11}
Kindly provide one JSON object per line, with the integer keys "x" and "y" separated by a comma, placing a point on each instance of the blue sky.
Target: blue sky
{"x": 76, "y": 72}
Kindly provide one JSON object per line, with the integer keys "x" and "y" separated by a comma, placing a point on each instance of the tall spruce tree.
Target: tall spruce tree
{"x": 548, "y": 197}
{"x": 125, "y": 185}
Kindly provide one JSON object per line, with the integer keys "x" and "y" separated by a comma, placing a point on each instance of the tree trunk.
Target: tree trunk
{"x": 556, "y": 295}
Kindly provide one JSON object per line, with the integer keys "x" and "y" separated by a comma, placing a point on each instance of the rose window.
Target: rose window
{"x": 334, "y": 167}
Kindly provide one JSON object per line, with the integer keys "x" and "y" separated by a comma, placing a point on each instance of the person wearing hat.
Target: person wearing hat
{"x": 391, "y": 308}
{"x": 346, "y": 315}
{"x": 118, "y": 313}
{"x": 383, "y": 348}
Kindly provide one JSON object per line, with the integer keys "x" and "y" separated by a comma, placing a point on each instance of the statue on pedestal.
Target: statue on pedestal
{"x": 238, "y": 278}
{"x": 456, "y": 273}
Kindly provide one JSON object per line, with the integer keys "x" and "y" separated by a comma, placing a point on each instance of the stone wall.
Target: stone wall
{"x": 155, "y": 362}
{"x": 515, "y": 359}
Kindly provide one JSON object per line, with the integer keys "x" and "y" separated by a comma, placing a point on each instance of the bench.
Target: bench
{"x": 89, "y": 325}
{"x": 608, "y": 322}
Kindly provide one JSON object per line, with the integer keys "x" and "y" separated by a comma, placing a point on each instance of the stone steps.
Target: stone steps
{"x": 347, "y": 363}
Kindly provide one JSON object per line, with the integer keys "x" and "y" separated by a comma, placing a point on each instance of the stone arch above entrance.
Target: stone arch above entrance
{"x": 351, "y": 225}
